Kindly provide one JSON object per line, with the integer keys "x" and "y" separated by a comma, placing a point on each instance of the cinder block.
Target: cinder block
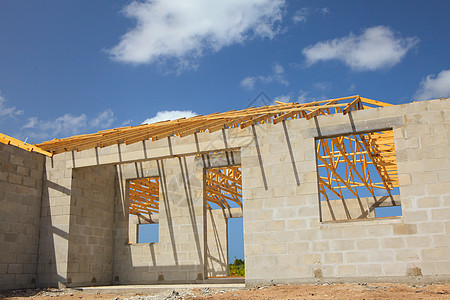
{"x": 333, "y": 258}
{"x": 381, "y": 255}
{"x": 320, "y": 246}
{"x": 297, "y": 247}
{"x": 347, "y": 271}
{"x": 343, "y": 245}
{"x": 436, "y": 164}
{"x": 407, "y": 255}
{"x": 436, "y": 254}
{"x": 440, "y": 214}
{"x": 15, "y": 268}
{"x": 438, "y": 188}
{"x": 418, "y": 241}
{"x": 370, "y": 270}
{"x": 279, "y": 225}
{"x": 394, "y": 269}
{"x": 428, "y": 202}
{"x": 405, "y": 229}
{"x": 309, "y": 259}
{"x": 441, "y": 240}
{"x": 367, "y": 244}
{"x": 274, "y": 249}
{"x": 430, "y": 228}
{"x": 356, "y": 257}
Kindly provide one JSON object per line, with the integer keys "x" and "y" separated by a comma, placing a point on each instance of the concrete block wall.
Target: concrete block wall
{"x": 91, "y": 238}
{"x": 179, "y": 254}
{"x": 20, "y": 205}
{"x": 350, "y": 209}
{"x": 184, "y": 226}
{"x": 217, "y": 243}
{"x": 55, "y": 222}
{"x": 284, "y": 239}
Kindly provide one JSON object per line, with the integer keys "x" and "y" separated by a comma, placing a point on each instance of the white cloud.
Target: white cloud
{"x": 303, "y": 97}
{"x": 65, "y": 125}
{"x": 351, "y": 88}
{"x": 127, "y": 122}
{"x": 184, "y": 30}
{"x": 284, "y": 98}
{"x": 248, "y": 82}
{"x": 377, "y": 47}
{"x": 276, "y": 76}
{"x": 170, "y": 115}
{"x": 434, "y": 86}
{"x": 103, "y": 120}
{"x": 322, "y": 85}
{"x": 325, "y": 11}
{"x": 301, "y": 15}
{"x": 8, "y": 111}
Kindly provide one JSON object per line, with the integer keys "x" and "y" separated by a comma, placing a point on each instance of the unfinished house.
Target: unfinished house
{"x": 340, "y": 190}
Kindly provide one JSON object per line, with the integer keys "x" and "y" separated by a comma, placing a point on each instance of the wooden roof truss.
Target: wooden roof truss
{"x": 354, "y": 162}
{"x": 143, "y": 196}
{"x": 223, "y": 187}
{"x": 213, "y": 122}
{"x": 7, "y": 140}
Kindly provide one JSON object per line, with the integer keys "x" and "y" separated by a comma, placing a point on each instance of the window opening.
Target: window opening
{"x": 148, "y": 233}
{"x": 357, "y": 175}
{"x": 223, "y": 187}
{"x": 143, "y": 197}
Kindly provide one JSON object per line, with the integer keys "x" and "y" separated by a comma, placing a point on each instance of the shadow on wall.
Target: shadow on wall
{"x": 178, "y": 256}
{"x": 50, "y": 234}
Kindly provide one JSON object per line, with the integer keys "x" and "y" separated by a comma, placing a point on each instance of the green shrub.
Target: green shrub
{"x": 237, "y": 268}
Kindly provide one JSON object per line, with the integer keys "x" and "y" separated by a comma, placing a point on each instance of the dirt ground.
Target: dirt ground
{"x": 324, "y": 291}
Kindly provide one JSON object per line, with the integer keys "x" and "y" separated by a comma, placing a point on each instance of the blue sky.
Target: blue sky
{"x": 72, "y": 67}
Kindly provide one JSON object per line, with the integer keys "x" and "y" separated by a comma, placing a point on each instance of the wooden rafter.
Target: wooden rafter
{"x": 223, "y": 186}
{"x": 143, "y": 196}
{"x": 18, "y": 143}
{"x": 350, "y": 162}
{"x": 186, "y": 126}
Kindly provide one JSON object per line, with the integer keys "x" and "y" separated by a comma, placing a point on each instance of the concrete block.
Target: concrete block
{"x": 430, "y": 228}
{"x": 297, "y": 247}
{"x": 347, "y": 271}
{"x": 370, "y": 270}
{"x": 309, "y": 259}
{"x": 356, "y": 257}
{"x": 436, "y": 164}
{"x": 367, "y": 244}
{"x": 407, "y": 255}
{"x": 440, "y": 214}
{"x": 343, "y": 245}
{"x": 405, "y": 229}
{"x": 418, "y": 241}
{"x": 274, "y": 249}
{"x": 15, "y": 268}
{"x": 436, "y": 254}
{"x": 438, "y": 188}
{"x": 428, "y": 202}
{"x": 333, "y": 258}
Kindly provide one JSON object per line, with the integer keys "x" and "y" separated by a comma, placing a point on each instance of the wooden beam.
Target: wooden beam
{"x": 352, "y": 104}
{"x": 18, "y": 143}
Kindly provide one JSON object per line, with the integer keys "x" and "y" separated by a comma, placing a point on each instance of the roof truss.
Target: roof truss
{"x": 223, "y": 187}
{"x": 351, "y": 162}
{"x": 143, "y": 196}
{"x": 236, "y": 118}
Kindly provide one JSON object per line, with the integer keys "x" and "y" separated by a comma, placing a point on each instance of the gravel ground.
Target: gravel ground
{"x": 319, "y": 291}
